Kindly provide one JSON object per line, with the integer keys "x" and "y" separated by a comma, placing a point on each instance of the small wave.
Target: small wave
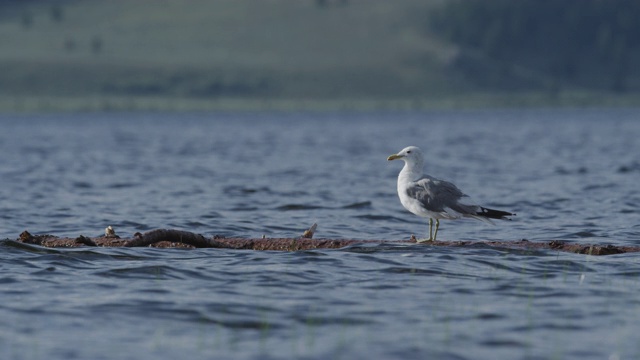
{"x": 244, "y": 190}
{"x": 358, "y": 205}
{"x": 564, "y": 171}
{"x": 633, "y": 167}
{"x": 412, "y": 270}
{"x": 581, "y": 234}
{"x": 121, "y": 185}
{"x": 562, "y": 266}
{"x": 553, "y": 204}
{"x": 333, "y": 320}
{"x": 376, "y": 217}
{"x": 384, "y": 217}
{"x": 600, "y": 186}
{"x": 281, "y": 228}
{"x": 490, "y": 316}
{"x": 504, "y": 342}
{"x": 195, "y": 224}
{"x": 296, "y": 207}
{"x": 141, "y": 272}
{"x": 133, "y": 224}
{"x": 82, "y": 185}
{"x": 212, "y": 215}
{"x": 27, "y": 247}
{"x": 244, "y": 208}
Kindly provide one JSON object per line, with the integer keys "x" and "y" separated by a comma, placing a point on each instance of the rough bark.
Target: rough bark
{"x": 168, "y": 238}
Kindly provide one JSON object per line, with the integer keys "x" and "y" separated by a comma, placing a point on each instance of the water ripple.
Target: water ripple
{"x": 274, "y": 173}
{"x": 297, "y": 207}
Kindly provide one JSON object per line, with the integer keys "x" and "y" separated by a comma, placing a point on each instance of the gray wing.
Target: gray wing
{"x": 436, "y": 195}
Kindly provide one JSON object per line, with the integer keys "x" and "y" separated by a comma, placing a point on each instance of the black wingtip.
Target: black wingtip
{"x": 494, "y": 214}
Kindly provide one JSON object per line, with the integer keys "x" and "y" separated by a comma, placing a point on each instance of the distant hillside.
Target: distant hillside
{"x": 292, "y": 48}
{"x": 193, "y": 53}
{"x": 589, "y": 44}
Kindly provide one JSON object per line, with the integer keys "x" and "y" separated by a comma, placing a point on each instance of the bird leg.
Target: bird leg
{"x": 430, "y": 228}
{"x": 430, "y": 232}
{"x": 431, "y": 238}
{"x": 436, "y": 233}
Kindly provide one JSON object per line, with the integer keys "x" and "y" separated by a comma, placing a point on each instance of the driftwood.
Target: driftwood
{"x": 168, "y": 238}
{"x": 172, "y": 236}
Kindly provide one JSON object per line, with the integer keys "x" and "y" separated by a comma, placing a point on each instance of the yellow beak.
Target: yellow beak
{"x": 394, "y": 157}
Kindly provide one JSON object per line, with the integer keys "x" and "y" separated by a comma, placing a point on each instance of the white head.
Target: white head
{"x": 411, "y": 155}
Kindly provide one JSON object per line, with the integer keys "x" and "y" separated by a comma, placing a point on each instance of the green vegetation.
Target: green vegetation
{"x": 590, "y": 44}
{"x": 279, "y": 54}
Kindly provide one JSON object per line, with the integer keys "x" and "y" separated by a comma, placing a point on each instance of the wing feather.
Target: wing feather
{"x": 436, "y": 195}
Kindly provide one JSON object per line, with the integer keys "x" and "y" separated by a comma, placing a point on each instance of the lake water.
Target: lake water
{"x": 568, "y": 174}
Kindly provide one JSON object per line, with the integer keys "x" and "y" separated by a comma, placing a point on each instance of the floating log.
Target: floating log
{"x": 172, "y": 236}
{"x": 169, "y": 238}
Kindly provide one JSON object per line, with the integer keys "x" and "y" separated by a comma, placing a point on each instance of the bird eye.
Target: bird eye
{"x": 409, "y": 152}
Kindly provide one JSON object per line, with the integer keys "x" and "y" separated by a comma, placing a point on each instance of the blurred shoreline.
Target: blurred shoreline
{"x": 43, "y": 104}
{"x": 249, "y": 55}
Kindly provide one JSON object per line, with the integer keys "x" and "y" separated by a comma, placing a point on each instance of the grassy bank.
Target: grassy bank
{"x": 90, "y": 103}
{"x": 239, "y": 55}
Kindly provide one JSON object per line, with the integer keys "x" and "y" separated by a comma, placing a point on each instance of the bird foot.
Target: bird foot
{"x": 424, "y": 240}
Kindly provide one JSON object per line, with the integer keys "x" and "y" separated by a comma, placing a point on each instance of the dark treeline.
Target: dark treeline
{"x": 581, "y": 43}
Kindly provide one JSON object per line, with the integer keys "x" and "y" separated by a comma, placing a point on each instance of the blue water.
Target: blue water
{"x": 568, "y": 174}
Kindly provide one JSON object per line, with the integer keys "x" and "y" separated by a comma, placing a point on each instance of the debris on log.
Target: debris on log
{"x": 587, "y": 249}
{"x": 308, "y": 234}
{"x": 110, "y": 233}
{"x": 169, "y": 238}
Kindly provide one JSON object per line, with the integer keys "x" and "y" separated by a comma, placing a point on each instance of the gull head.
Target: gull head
{"x": 410, "y": 155}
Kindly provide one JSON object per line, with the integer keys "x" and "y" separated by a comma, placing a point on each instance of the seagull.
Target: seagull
{"x": 436, "y": 199}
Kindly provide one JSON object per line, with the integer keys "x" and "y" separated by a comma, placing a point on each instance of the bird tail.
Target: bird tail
{"x": 493, "y": 214}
